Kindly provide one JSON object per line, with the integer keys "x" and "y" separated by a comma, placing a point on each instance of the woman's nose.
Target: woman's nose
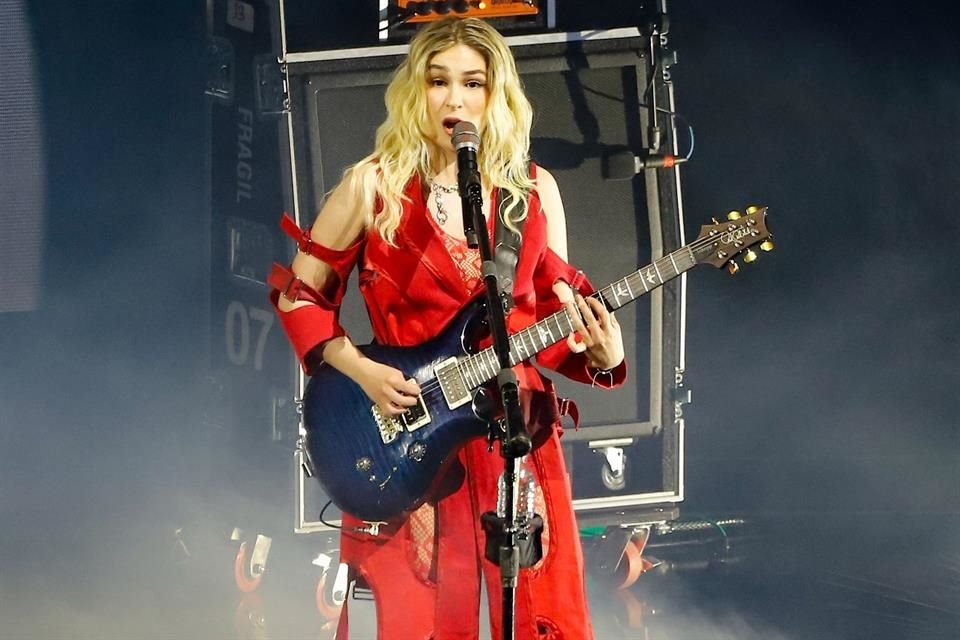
{"x": 454, "y": 98}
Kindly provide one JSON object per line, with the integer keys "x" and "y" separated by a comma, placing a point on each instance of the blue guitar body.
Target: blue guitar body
{"x": 376, "y": 480}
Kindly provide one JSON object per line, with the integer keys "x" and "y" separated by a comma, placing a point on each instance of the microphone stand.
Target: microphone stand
{"x": 505, "y": 533}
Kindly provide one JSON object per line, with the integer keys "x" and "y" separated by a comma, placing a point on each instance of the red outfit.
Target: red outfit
{"x": 425, "y": 572}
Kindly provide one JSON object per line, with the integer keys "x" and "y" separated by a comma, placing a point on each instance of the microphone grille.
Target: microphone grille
{"x": 465, "y": 136}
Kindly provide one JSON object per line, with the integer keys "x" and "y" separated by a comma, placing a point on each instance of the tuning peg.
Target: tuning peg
{"x": 753, "y": 209}
{"x": 767, "y": 245}
{"x": 749, "y": 256}
{"x": 734, "y": 215}
{"x": 715, "y": 221}
{"x": 733, "y": 267}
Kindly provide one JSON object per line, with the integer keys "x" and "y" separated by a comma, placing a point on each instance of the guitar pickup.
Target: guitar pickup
{"x": 416, "y": 416}
{"x": 454, "y": 387}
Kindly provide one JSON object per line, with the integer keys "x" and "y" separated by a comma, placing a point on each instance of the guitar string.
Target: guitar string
{"x": 695, "y": 245}
{"x": 434, "y": 385}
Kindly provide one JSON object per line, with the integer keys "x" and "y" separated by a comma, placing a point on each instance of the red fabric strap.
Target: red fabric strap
{"x": 293, "y": 288}
{"x": 311, "y": 326}
{"x": 338, "y": 259}
{"x": 308, "y": 328}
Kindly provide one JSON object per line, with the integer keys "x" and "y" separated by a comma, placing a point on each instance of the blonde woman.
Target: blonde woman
{"x": 396, "y": 216}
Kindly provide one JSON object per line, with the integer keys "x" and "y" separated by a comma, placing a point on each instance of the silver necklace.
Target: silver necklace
{"x": 438, "y": 191}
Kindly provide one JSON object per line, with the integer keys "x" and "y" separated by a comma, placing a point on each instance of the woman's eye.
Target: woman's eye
{"x": 437, "y": 82}
{"x": 474, "y": 84}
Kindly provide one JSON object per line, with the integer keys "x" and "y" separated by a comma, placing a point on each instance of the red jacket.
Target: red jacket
{"x": 413, "y": 290}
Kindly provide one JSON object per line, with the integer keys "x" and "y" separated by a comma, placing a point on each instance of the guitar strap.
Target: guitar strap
{"x": 506, "y": 249}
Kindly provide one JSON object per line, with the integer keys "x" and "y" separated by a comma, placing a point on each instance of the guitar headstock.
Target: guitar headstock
{"x": 721, "y": 242}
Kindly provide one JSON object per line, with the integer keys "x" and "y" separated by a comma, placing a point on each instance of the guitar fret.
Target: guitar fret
{"x": 476, "y": 367}
{"x": 599, "y": 295}
{"x": 643, "y": 281}
{"x": 675, "y": 268}
{"x": 569, "y": 327}
{"x": 626, "y": 282}
{"x": 657, "y": 269}
{"x": 556, "y": 319}
{"x": 543, "y": 332}
{"x": 522, "y": 347}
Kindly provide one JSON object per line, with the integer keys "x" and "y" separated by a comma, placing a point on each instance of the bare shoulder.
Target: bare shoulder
{"x": 552, "y": 205}
{"x": 342, "y": 218}
{"x": 546, "y": 183}
{"x": 549, "y": 192}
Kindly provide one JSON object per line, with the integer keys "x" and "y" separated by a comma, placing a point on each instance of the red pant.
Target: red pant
{"x": 426, "y": 592}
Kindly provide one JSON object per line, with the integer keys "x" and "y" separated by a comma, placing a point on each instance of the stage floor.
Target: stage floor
{"x": 775, "y": 577}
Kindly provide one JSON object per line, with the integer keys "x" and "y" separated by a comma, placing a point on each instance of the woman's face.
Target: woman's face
{"x": 456, "y": 90}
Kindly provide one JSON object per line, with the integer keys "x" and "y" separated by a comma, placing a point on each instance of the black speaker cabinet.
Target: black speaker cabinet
{"x": 250, "y": 396}
{"x": 591, "y": 93}
{"x": 22, "y": 168}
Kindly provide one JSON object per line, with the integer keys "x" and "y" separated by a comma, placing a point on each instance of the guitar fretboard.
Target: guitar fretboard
{"x": 483, "y": 366}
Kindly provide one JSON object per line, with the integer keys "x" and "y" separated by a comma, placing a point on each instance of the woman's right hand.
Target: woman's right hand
{"x": 387, "y": 387}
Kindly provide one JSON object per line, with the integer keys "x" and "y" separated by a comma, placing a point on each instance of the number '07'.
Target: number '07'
{"x": 237, "y": 333}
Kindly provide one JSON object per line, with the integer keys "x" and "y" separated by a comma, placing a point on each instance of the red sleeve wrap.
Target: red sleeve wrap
{"x": 309, "y": 327}
{"x": 559, "y": 357}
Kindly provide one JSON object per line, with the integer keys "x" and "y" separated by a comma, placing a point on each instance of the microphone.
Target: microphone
{"x": 624, "y": 164}
{"x": 466, "y": 141}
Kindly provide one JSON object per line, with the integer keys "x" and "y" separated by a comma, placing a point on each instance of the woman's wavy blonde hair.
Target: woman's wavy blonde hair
{"x": 403, "y": 148}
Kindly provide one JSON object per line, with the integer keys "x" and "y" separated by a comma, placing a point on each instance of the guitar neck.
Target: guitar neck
{"x": 483, "y": 366}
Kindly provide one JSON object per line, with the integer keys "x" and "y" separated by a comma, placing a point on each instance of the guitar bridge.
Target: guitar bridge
{"x": 410, "y": 420}
{"x": 454, "y": 387}
{"x": 388, "y": 426}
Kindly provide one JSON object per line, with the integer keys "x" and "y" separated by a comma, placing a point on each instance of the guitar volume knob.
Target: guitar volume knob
{"x": 417, "y": 451}
{"x": 364, "y": 464}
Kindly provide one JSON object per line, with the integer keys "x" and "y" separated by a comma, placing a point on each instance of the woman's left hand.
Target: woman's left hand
{"x": 597, "y": 329}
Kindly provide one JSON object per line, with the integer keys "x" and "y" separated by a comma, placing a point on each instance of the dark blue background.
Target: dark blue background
{"x": 825, "y": 377}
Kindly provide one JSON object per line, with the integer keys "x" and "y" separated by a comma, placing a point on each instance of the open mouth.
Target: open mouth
{"x": 449, "y": 124}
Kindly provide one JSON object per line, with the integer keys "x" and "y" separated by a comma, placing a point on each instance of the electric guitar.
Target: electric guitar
{"x": 377, "y": 467}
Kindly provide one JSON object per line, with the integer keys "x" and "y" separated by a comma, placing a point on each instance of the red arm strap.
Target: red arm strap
{"x": 309, "y": 327}
{"x": 340, "y": 260}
